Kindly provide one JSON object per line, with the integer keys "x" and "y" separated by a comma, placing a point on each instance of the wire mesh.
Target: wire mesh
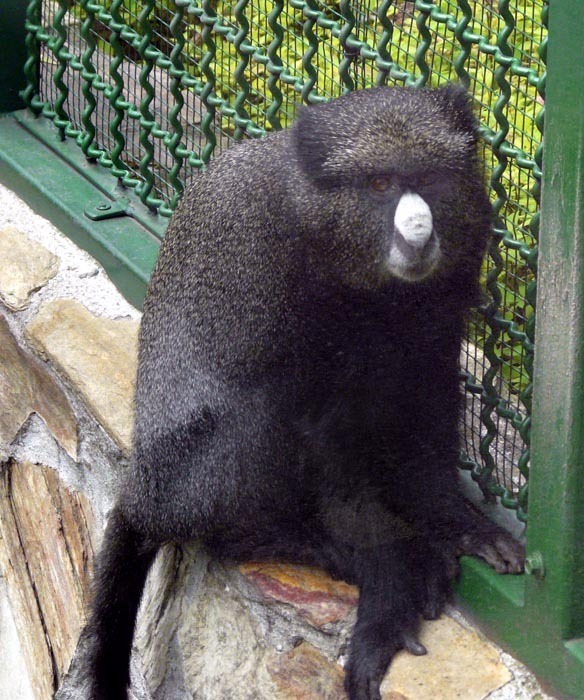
{"x": 152, "y": 89}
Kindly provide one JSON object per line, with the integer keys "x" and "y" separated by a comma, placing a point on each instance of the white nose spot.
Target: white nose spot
{"x": 413, "y": 219}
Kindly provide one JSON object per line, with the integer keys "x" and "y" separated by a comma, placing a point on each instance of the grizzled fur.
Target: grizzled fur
{"x": 296, "y": 400}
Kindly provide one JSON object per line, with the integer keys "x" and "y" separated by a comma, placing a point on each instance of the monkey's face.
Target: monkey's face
{"x": 394, "y": 177}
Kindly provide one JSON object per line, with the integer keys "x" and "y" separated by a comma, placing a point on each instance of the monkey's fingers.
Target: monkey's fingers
{"x": 504, "y": 554}
{"x": 364, "y": 682}
{"x": 412, "y": 645}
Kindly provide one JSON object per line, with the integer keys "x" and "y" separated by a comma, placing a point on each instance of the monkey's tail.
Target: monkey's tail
{"x": 120, "y": 575}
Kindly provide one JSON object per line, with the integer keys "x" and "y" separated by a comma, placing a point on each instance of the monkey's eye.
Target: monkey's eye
{"x": 428, "y": 178}
{"x": 381, "y": 183}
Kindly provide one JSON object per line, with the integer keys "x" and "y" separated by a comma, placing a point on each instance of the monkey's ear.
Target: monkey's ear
{"x": 458, "y": 103}
{"x": 310, "y": 141}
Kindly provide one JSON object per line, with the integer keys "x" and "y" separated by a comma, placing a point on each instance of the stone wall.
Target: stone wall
{"x": 206, "y": 630}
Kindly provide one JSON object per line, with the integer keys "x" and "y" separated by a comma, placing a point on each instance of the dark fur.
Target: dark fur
{"x": 294, "y": 400}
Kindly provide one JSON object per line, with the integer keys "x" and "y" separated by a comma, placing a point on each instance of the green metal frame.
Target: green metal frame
{"x": 538, "y": 616}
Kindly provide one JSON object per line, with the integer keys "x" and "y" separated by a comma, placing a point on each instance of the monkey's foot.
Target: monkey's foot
{"x": 497, "y": 548}
{"x": 461, "y": 529}
{"x": 480, "y": 537}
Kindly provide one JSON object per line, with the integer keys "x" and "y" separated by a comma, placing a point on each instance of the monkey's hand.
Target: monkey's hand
{"x": 397, "y": 583}
{"x": 373, "y": 645}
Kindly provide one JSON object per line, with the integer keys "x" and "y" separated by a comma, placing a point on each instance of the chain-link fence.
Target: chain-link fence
{"x": 152, "y": 89}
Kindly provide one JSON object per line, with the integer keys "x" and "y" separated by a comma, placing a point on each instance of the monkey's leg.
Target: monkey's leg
{"x": 426, "y": 470}
{"x": 454, "y": 527}
{"x": 392, "y": 581}
{"x": 121, "y": 570}
{"x": 397, "y": 572}
{"x": 301, "y": 541}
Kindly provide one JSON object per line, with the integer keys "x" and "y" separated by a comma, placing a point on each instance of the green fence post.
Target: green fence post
{"x": 555, "y": 529}
{"x": 12, "y": 54}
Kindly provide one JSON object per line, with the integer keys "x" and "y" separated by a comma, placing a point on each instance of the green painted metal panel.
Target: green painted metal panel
{"x": 499, "y": 605}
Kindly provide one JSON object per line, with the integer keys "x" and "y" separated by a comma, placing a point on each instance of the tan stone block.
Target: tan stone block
{"x": 305, "y": 674}
{"x": 220, "y": 645}
{"x": 459, "y": 664}
{"x": 25, "y": 266}
{"x": 25, "y": 387}
{"x": 98, "y": 356}
{"x": 316, "y": 597}
{"x": 46, "y": 548}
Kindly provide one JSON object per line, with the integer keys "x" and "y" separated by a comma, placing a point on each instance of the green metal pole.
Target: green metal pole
{"x": 555, "y": 593}
{"x": 12, "y": 54}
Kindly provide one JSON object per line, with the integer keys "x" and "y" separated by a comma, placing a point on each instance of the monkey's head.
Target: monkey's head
{"x": 394, "y": 173}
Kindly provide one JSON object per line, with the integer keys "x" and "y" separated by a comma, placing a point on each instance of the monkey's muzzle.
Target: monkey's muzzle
{"x": 415, "y": 247}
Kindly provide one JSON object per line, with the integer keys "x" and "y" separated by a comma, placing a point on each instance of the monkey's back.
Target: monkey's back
{"x": 218, "y": 338}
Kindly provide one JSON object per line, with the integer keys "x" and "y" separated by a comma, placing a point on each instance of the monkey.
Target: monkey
{"x": 298, "y": 394}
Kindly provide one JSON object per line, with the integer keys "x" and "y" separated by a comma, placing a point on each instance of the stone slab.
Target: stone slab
{"x": 98, "y": 357}
{"x": 305, "y": 674}
{"x": 316, "y": 597}
{"x": 25, "y": 266}
{"x": 459, "y": 665}
{"x": 26, "y": 386}
{"x": 14, "y": 681}
{"x": 47, "y": 539}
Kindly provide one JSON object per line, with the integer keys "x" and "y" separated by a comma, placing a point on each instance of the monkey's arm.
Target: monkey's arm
{"x": 399, "y": 577}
